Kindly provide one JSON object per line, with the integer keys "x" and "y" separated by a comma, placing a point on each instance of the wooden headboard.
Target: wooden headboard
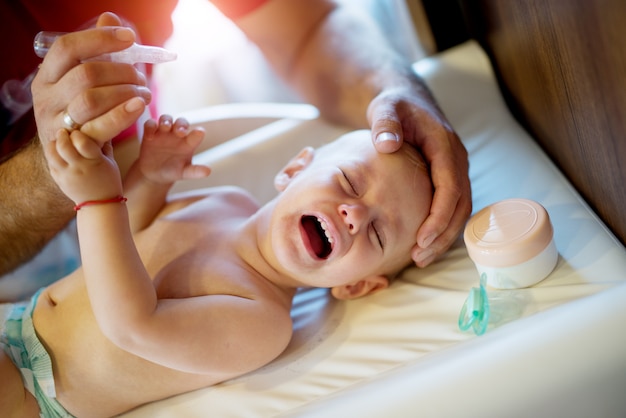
{"x": 561, "y": 65}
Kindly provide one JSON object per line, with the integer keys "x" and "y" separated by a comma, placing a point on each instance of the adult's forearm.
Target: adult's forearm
{"x": 339, "y": 60}
{"x": 344, "y": 65}
{"x": 32, "y": 208}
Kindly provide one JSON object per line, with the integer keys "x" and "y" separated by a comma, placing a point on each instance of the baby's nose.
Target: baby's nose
{"x": 354, "y": 216}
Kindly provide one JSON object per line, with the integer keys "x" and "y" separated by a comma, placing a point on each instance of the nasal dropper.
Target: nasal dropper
{"x": 132, "y": 55}
{"x": 15, "y": 96}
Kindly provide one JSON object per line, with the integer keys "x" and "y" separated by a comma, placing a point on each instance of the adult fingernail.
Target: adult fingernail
{"x": 134, "y": 104}
{"x": 386, "y": 136}
{"x": 145, "y": 93}
{"x": 124, "y": 34}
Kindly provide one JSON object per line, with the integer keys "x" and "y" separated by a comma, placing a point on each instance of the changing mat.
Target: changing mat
{"x": 557, "y": 348}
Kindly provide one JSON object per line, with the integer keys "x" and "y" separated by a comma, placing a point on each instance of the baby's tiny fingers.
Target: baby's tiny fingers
{"x": 85, "y": 146}
{"x": 65, "y": 147}
{"x": 195, "y": 137}
{"x": 149, "y": 130}
{"x": 181, "y": 127}
{"x": 50, "y": 148}
{"x": 165, "y": 123}
{"x": 196, "y": 172}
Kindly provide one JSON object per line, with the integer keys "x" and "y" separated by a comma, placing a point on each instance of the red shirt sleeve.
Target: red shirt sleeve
{"x": 234, "y": 9}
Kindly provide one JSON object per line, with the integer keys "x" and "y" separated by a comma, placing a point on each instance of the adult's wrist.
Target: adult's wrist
{"x": 17, "y": 136}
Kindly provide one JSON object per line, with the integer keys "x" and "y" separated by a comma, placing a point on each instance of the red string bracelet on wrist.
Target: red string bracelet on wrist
{"x": 116, "y": 199}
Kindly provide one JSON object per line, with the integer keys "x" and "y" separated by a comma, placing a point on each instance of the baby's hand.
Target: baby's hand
{"x": 166, "y": 151}
{"x": 82, "y": 168}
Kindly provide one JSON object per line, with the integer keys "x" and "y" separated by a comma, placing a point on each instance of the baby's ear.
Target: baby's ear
{"x": 293, "y": 167}
{"x": 367, "y": 286}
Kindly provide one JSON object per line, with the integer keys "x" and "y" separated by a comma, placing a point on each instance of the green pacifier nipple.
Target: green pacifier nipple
{"x": 475, "y": 311}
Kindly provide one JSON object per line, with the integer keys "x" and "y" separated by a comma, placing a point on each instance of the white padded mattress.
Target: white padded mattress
{"x": 555, "y": 350}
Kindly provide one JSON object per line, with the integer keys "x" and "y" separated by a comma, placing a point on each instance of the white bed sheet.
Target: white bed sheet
{"x": 561, "y": 351}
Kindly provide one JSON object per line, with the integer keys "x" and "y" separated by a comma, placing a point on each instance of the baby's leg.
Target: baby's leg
{"x": 15, "y": 400}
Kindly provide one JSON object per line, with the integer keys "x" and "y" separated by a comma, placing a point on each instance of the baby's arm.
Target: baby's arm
{"x": 209, "y": 328}
{"x": 214, "y": 334}
{"x": 164, "y": 158}
{"x": 113, "y": 270}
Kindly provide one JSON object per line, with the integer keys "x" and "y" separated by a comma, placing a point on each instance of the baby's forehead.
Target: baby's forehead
{"x": 349, "y": 141}
{"x": 358, "y": 148}
{"x": 354, "y": 147}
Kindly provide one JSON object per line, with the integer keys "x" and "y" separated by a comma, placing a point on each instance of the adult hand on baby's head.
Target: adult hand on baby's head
{"x": 92, "y": 94}
{"x": 411, "y": 115}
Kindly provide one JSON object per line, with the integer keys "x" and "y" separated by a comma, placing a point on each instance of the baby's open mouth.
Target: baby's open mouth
{"x": 315, "y": 229}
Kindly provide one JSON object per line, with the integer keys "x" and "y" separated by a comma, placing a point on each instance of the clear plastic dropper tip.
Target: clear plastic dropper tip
{"x": 139, "y": 53}
{"x": 132, "y": 55}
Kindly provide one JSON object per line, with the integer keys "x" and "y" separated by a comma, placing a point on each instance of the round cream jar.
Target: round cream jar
{"x": 511, "y": 241}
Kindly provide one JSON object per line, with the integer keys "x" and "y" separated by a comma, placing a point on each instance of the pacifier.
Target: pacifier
{"x": 475, "y": 311}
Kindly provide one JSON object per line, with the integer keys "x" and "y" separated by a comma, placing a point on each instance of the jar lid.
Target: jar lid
{"x": 508, "y": 233}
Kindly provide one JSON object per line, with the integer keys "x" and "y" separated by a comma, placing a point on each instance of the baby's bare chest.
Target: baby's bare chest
{"x": 192, "y": 250}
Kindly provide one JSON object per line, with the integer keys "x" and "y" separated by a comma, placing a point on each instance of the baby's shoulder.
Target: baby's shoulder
{"x": 234, "y": 192}
{"x": 234, "y": 197}
{"x": 221, "y": 196}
